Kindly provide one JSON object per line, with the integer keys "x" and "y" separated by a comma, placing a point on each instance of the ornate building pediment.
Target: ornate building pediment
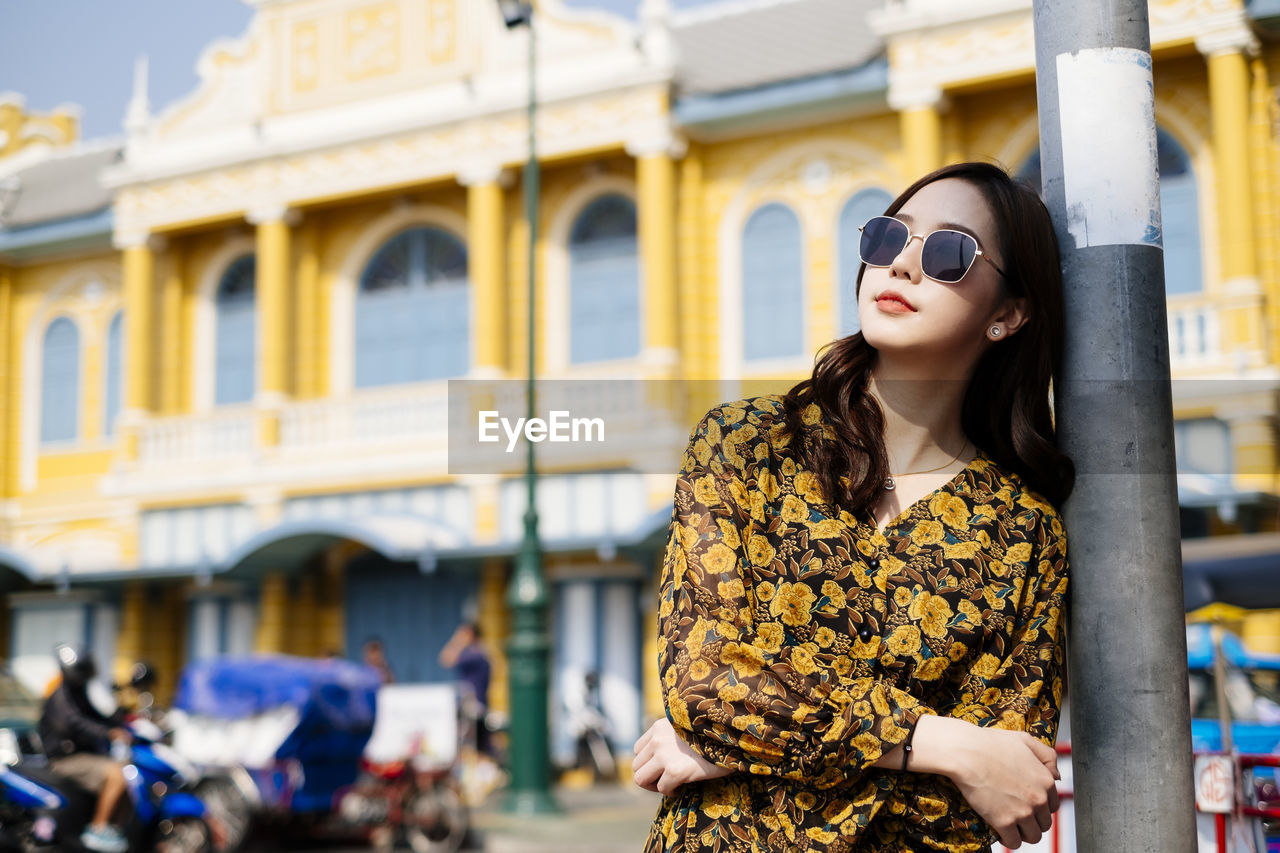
{"x": 318, "y": 92}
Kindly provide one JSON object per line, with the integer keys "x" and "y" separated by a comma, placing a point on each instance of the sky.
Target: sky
{"x": 54, "y": 52}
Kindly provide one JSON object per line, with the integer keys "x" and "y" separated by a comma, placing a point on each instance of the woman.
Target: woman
{"x": 861, "y": 608}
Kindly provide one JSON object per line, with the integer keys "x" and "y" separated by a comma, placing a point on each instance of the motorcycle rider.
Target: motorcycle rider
{"x": 77, "y": 737}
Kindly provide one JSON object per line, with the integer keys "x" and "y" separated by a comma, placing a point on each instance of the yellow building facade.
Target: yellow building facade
{"x": 225, "y": 365}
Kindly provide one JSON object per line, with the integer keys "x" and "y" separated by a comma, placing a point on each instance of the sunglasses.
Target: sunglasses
{"x": 945, "y": 255}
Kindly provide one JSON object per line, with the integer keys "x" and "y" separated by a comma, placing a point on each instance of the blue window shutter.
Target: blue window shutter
{"x": 856, "y": 212}
{"x": 115, "y": 381}
{"x": 1179, "y": 217}
{"x": 60, "y": 382}
{"x": 772, "y": 284}
{"x": 604, "y": 282}
{"x": 235, "y": 364}
{"x": 413, "y": 315}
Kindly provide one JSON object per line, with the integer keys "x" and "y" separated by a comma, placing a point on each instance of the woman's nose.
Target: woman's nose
{"x": 907, "y": 262}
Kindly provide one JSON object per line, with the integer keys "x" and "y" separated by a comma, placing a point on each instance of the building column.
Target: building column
{"x": 693, "y": 302}
{"x": 1225, "y": 50}
{"x": 304, "y": 622}
{"x": 307, "y": 353}
{"x": 131, "y": 639}
{"x": 172, "y": 362}
{"x": 273, "y": 604}
{"x": 494, "y": 619}
{"x": 1229, "y": 92}
{"x": 1253, "y": 450}
{"x": 8, "y": 395}
{"x": 656, "y": 185}
{"x": 139, "y": 333}
{"x": 920, "y": 117}
{"x": 273, "y": 292}
{"x": 330, "y": 624}
{"x": 486, "y": 259}
{"x": 653, "y": 690}
{"x": 166, "y": 629}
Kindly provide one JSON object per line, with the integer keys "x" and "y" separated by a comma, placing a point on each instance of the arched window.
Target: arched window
{"x": 856, "y": 212}
{"x": 1179, "y": 212}
{"x": 235, "y": 362}
{"x": 772, "y": 285}
{"x": 604, "y": 282}
{"x": 60, "y": 382}
{"x": 413, "y": 311}
{"x": 115, "y": 379}
{"x": 1179, "y": 217}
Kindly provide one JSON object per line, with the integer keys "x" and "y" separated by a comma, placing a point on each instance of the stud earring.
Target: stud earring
{"x": 996, "y": 331}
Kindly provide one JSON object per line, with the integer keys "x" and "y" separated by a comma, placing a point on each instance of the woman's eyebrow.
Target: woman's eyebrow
{"x": 953, "y": 226}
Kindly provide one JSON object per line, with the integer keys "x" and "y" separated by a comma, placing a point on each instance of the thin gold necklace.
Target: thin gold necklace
{"x": 890, "y": 485}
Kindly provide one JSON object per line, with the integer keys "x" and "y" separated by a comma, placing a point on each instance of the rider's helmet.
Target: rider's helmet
{"x": 76, "y": 663}
{"x": 142, "y": 677}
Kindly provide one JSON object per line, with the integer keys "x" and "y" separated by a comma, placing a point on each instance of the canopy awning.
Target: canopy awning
{"x": 292, "y": 543}
{"x": 1240, "y": 570}
{"x": 16, "y": 571}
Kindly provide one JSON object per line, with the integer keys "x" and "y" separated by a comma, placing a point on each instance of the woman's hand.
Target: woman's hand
{"x": 1006, "y": 776}
{"x": 664, "y": 761}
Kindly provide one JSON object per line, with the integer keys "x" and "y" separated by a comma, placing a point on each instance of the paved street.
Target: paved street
{"x": 603, "y": 819}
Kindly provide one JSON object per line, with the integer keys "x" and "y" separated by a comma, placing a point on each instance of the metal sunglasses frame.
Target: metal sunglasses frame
{"x": 977, "y": 249}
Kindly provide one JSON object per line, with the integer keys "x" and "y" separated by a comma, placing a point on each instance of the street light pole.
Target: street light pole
{"x": 1131, "y": 727}
{"x": 528, "y": 649}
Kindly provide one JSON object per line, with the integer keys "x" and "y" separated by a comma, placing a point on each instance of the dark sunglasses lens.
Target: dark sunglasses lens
{"x": 947, "y": 255}
{"x": 882, "y": 240}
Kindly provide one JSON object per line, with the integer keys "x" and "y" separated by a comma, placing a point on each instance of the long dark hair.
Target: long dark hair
{"x": 1006, "y": 407}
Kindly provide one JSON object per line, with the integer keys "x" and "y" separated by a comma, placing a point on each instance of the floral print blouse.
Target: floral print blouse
{"x": 797, "y": 643}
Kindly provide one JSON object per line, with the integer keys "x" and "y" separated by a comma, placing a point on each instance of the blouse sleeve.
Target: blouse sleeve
{"x": 733, "y": 690}
{"x": 1020, "y": 686}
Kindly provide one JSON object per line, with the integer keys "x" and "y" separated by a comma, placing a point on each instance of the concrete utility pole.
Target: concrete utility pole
{"x": 1131, "y": 741}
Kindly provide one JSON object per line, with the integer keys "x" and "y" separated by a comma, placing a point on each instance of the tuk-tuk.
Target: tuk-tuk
{"x": 295, "y": 727}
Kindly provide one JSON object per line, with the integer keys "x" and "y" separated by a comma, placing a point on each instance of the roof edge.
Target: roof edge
{"x": 851, "y": 87}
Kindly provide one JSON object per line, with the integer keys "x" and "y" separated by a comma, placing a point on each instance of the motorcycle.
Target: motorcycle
{"x": 42, "y": 811}
{"x": 420, "y": 802}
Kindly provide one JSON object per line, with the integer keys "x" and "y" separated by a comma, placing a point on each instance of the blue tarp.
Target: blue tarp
{"x": 1253, "y": 738}
{"x": 344, "y": 693}
{"x": 1200, "y": 650}
{"x": 336, "y": 702}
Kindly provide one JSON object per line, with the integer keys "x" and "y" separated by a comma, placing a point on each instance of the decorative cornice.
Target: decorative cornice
{"x": 122, "y": 240}
{"x": 1227, "y": 32}
{"x": 905, "y": 96}
{"x": 268, "y": 213}
{"x": 907, "y": 16}
{"x": 426, "y": 154}
{"x": 661, "y": 140}
{"x": 485, "y": 172}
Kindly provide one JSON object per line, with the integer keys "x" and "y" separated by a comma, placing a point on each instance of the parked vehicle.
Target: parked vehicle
{"x": 40, "y": 810}
{"x": 283, "y": 734}
{"x": 399, "y": 799}
{"x": 409, "y": 785}
{"x": 19, "y": 717}
{"x": 1245, "y": 685}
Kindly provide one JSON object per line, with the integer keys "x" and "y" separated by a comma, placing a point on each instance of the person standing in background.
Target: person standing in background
{"x": 465, "y": 655}
{"x": 375, "y": 655}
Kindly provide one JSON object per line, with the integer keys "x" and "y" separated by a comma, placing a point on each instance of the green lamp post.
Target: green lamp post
{"x": 528, "y": 649}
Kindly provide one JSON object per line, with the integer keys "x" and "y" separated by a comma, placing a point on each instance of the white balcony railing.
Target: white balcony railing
{"x": 214, "y": 436}
{"x": 1195, "y": 334}
{"x": 414, "y": 412}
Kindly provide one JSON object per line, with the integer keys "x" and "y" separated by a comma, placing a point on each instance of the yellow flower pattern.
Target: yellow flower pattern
{"x": 839, "y": 638}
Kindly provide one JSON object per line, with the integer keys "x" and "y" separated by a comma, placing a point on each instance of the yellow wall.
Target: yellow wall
{"x": 717, "y": 185}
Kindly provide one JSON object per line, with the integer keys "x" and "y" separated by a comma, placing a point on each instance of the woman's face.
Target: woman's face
{"x": 904, "y": 312}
